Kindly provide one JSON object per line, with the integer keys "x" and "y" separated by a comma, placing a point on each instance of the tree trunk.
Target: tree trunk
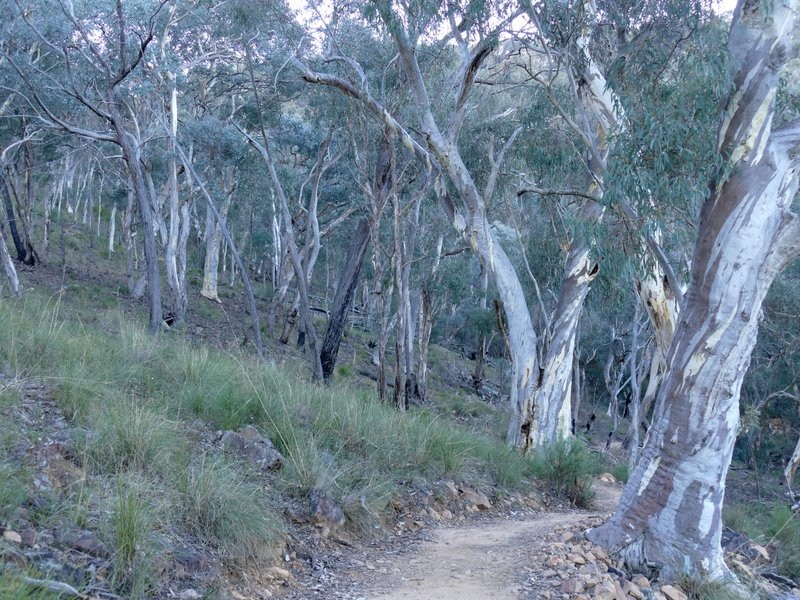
{"x": 129, "y": 237}
{"x": 380, "y": 189}
{"x": 662, "y": 307}
{"x": 8, "y": 264}
{"x": 426, "y": 321}
{"x": 294, "y": 254}
{"x": 342, "y": 301}
{"x": 382, "y": 317}
{"x": 130, "y": 153}
{"x": 24, "y": 204}
{"x": 213, "y": 237}
{"x": 178, "y": 232}
{"x": 112, "y": 229}
{"x": 670, "y": 512}
{"x": 553, "y": 418}
{"x": 11, "y": 218}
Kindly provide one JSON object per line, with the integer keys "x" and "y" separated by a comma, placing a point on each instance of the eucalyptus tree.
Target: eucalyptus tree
{"x": 441, "y": 150}
{"x": 84, "y": 84}
{"x": 377, "y": 188}
{"x": 591, "y": 97}
{"x": 670, "y": 512}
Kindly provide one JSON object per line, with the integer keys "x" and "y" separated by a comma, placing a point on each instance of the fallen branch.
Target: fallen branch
{"x": 55, "y": 586}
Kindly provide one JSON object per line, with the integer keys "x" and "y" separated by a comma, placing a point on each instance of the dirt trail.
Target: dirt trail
{"x": 482, "y": 562}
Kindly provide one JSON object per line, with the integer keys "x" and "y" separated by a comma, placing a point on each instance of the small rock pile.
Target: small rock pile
{"x": 569, "y": 567}
{"x": 579, "y": 570}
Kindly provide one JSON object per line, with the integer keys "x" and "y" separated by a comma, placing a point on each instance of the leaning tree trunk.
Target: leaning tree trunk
{"x": 426, "y": 315}
{"x": 479, "y": 372}
{"x": 348, "y": 282}
{"x": 24, "y": 205}
{"x": 553, "y": 418}
{"x": 670, "y": 512}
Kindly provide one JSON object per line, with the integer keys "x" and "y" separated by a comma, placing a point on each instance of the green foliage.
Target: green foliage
{"x": 777, "y": 526}
{"x": 132, "y": 525}
{"x": 13, "y": 489}
{"x": 569, "y": 468}
{"x": 12, "y": 587}
{"x": 216, "y": 503}
{"x": 698, "y": 589}
{"x": 13, "y": 477}
{"x": 784, "y": 529}
{"x": 135, "y": 394}
{"x": 132, "y": 437}
{"x": 621, "y": 472}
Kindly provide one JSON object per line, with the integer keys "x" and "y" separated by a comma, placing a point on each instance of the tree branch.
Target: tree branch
{"x": 497, "y": 163}
{"x": 369, "y": 102}
{"x": 479, "y": 54}
{"x": 560, "y": 192}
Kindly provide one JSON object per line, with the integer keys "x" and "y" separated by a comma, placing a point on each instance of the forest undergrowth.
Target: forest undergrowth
{"x": 137, "y": 401}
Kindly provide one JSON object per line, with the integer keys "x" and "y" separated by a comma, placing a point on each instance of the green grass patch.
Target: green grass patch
{"x": 620, "y": 471}
{"x": 698, "y": 589}
{"x": 784, "y": 530}
{"x": 217, "y": 504}
{"x": 569, "y": 468}
{"x": 132, "y": 526}
{"x": 130, "y": 435}
{"x": 13, "y": 587}
{"x": 135, "y": 393}
{"x": 13, "y": 489}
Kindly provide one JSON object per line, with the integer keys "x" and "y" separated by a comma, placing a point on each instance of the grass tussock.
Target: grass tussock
{"x": 132, "y": 528}
{"x": 569, "y": 468}
{"x": 698, "y": 589}
{"x": 777, "y": 527}
{"x": 127, "y": 435}
{"x": 783, "y": 530}
{"x": 13, "y": 587}
{"x": 216, "y": 503}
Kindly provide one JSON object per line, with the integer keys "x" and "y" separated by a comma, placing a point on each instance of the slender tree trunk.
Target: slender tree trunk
{"x": 177, "y": 234}
{"x": 480, "y": 351}
{"x": 349, "y": 277}
{"x": 251, "y": 299}
{"x": 382, "y": 317}
{"x": 130, "y": 153}
{"x": 11, "y": 218}
{"x": 294, "y": 254}
{"x": 24, "y": 205}
{"x": 112, "y": 229}
{"x": 213, "y": 237}
{"x": 8, "y": 264}
{"x": 407, "y": 330}
{"x": 670, "y": 512}
{"x": 342, "y": 301}
{"x": 425, "y": 330}
{"x": 128, "y": 236}
{"x": 400, "y": 366}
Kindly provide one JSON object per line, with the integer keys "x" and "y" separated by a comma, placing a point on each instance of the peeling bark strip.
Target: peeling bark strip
{"x": 670, "y": 512}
